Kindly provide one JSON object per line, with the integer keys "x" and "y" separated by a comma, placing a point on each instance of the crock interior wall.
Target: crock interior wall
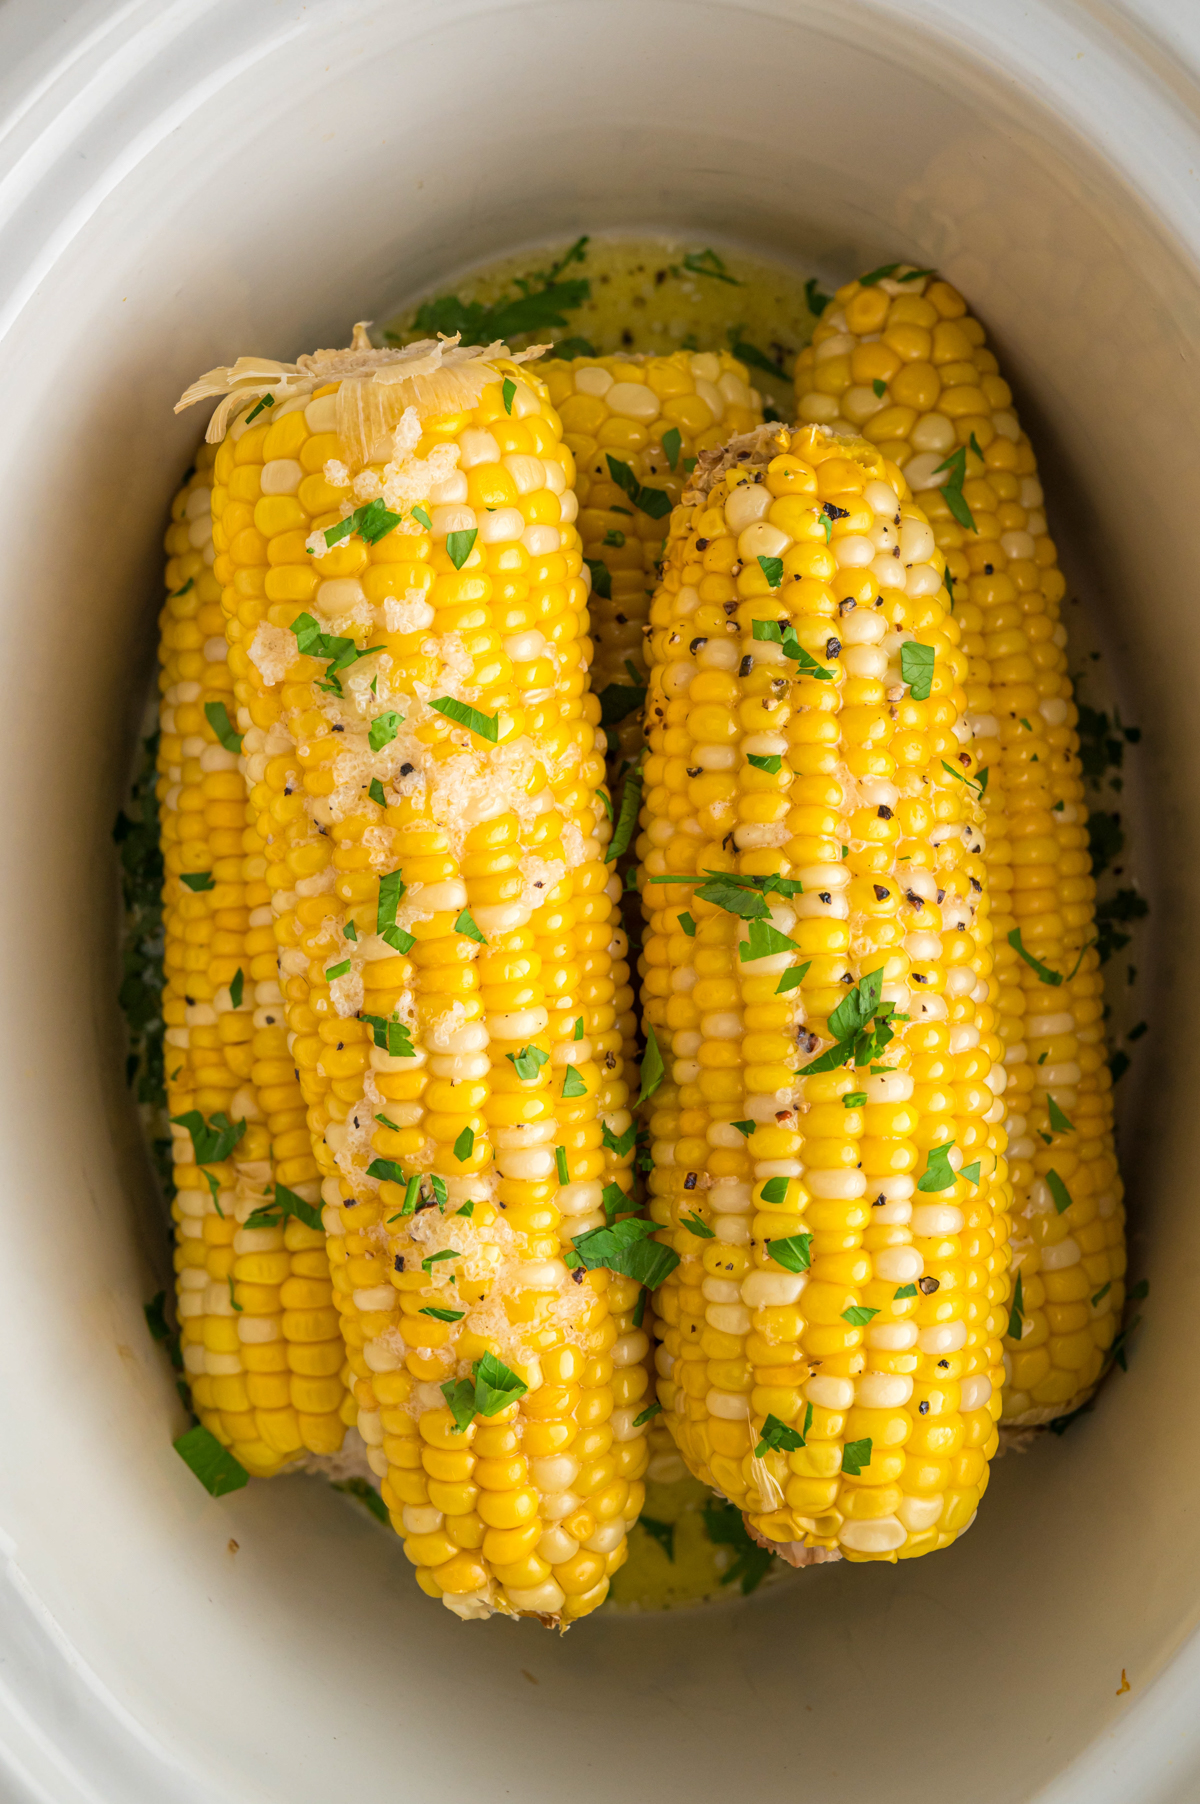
{"x": 353, "y": 161}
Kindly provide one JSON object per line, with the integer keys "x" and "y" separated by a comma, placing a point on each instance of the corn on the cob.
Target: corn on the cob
{"x": 830, "y": 1351}
{"x": 902, "y": 360}
{"x": 258, "y": 1382}
{"x": 651, "y": 416}
{"x": 426, "y": 725}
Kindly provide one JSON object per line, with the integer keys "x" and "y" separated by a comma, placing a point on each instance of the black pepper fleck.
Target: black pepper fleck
{"x": 398, "y": 1262}
{"x": 881, "y": 894}
{"x": 746, "y": 666}
{"x": 927, "y": 1286}
{"x": 885, "y": 814}
{"x": 832, "y": 647}
{"x": 923, "y": 1409}
{"x": 696, "y": 644}
{"x": 689, "y": 1183}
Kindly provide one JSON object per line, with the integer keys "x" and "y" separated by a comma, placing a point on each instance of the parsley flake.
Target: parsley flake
{"x": 487, "y": 726}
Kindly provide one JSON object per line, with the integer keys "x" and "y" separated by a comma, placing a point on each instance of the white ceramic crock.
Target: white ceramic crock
{"x": 181, "y": 180}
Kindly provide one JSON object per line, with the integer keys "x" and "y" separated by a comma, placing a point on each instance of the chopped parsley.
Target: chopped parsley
{"x": 776, "y": 1434}
{"x": 707, "y": 263}
{"x": 855, "y": 1099}
{"x": 619, "y": 700}
{"x": 620, "y": 1144}
{"x": 601, "y": 578}
{"x": 653, "y": 1069}
{"x": 862, "y": 1023}
{"x": 624, "y": 1247}
{"x": 212, "y": 1140}
{"x": 427, "y": 1265}
{"x": 979, "y": 787}
{"x": 745, "y": 1128}
{"x": 905, "y": 1290}
{"x": 695, "y": 1226}
{"x": 375, "y": 791}
{"x": 459, "y": 546}
{"x": 879, "y": 389}
{"x": 749, "y": 354}
{"x": 198, "y": 880}
{"x": 156, "y": 1320}
{"x": 1016, "y": 1315}
{"x": 792, "y": 978}
{"x": 366, "y": 1493}
{"x": 1059, "y": 1191}
{"x": 772, "y": 569}
{"x": 391, "y": 1036}
{"x": 816, "y": 301}
{"x": 259, "y": 407}
{"x": 528, "y": 1062}
{"x": 916, "y": 668}
{"x": 285, "y": 1203}
{"x": 856, "y": 1455}
{"x": 464, "y": 1146}
{"x": 654, "y": 502}
{"x": 725, "y": 1528}
{"x": 237, "y": 988}
{"x": 1058, "y": 1121}
{"x": 216, "y": 1468}
{"x": 466, "y": 925}
{"x": 333, "y": 972}
{"x": 487, "y": 726}
{"x": 771, "y": 762}
{"x": 794, "y": 1252}
{"x": 533, "y": 309}
{"x": 1045, "y": 974}
{"x": 573, "y": 1084}
{"x": 687, "y": 924}
{"x": 662, "y": 1532}
{"x": 764, "y": 941}
{"x": 938, "y": 1174}
{"x": 631, "y": 802}
{"x": 615, "y": 1202}
{"x": 648, "y": 1414}
{"x": 858, "y": 1315}
{"x": 508, "y": 389}
{"x": 387, "y": 1171}
{"x": 371, "y": 522}
{"x": 560, "y": 1161}
{"x": 217, "y": 715}
{"x": 775, "y": 632}
{"x": 384, "y": 729}
{"x": 496, "y": 1385}
{"x": 422, "y": 518}
{"x": 956, "y": 465}
{"x": 672, "y": 444}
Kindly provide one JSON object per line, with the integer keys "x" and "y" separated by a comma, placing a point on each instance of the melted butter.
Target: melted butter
{"x": 694, "y": 1571}
{"x": 643, "y": 296}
